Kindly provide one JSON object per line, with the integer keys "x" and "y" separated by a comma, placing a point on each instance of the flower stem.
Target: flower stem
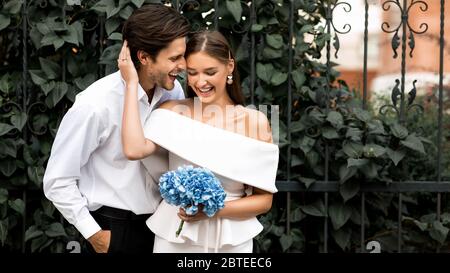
{"x": 179, "y": 228}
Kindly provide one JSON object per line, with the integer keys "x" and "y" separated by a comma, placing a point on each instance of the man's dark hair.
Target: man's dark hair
{"x": 153, "y": 27}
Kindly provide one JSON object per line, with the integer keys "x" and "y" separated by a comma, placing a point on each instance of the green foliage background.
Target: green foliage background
{"x": 70, "y": 46}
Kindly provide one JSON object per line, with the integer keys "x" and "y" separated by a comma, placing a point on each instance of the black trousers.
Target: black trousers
{"x": 129, "y": 233}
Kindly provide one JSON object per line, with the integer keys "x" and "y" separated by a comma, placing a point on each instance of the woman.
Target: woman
{"x": 211, "y": 129}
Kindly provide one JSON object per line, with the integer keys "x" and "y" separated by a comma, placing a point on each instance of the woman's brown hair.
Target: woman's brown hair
{"x": 216, "y": 46}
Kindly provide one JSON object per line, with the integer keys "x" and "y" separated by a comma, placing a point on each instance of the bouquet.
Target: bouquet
{"x": 190, "y": 187}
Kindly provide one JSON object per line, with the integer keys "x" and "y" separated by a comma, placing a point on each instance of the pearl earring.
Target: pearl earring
{"x": 230, "y": 79}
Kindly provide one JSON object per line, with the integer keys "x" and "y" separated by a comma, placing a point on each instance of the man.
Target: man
{"x": 88, "y": 179}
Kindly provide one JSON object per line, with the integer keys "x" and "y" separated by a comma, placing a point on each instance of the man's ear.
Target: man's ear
{"x": 143, "y": 57}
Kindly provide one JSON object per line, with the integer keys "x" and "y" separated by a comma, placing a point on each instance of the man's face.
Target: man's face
{"x": 169, "y": 62}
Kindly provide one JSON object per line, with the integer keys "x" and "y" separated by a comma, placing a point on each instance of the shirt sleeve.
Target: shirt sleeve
{"x": 77, "y": 137}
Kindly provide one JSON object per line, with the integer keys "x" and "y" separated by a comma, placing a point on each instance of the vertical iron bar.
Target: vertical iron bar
{"x": 216, "y": 14}
{"x": 24, "y": 102}
{"x": 441, "y": 108}
{"x": 399, "y": 219}
{"x": 329, "y": 18}
{"x": 364, "y": 105}
{"x": 252, "y": 53}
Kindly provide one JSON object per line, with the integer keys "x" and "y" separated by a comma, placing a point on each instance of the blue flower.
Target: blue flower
{"x": 189, "y": 187}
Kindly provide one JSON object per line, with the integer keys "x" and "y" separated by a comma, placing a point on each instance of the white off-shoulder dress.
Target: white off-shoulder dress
{"x": 235, "y": 159}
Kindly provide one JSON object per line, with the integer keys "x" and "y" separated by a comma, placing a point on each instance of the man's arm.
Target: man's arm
{"x": 78, "y": 136}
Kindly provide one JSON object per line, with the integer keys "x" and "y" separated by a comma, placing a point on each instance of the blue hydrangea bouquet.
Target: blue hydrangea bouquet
{"x": 189, "y": 188}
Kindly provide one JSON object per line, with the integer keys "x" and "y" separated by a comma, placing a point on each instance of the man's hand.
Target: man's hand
{"x": 100, "y": 241}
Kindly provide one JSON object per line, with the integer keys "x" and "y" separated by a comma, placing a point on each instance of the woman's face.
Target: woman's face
{"x": 207, "y": 76}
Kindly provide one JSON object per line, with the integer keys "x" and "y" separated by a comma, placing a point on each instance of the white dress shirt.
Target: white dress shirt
{"x": 87, "y": 168}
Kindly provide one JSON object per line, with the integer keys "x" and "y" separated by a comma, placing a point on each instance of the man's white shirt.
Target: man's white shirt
{"x": 87, "y": 167}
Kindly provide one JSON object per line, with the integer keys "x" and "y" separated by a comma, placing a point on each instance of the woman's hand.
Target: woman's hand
{"x": 126, "y": 66}
{"x": 200, "y": 215}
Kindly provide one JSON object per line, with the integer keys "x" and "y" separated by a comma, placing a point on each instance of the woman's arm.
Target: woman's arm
{"x": 134, "y": 144}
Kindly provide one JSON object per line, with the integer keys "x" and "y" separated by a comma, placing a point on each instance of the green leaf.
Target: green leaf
{"x": 264, "y": 71}
{"x": 111, "y": 25}
{"x": 373, "y": 150}
{"x": 8, "y": 147}
{"x": 342, "y": 237}
{"x": 3, "y": 195}
{"x": 299, "y": 78}
{"x": 4, "y": 21}
{"x": 5, "y": 128}
{"x": 274, "y": 40}
{"x": 115, "y": 36}
{"x": 286, "y": 242}
{"x": 5, "y": 84}
{"x": 270, "y": 53}
{"x": 19, "y": 120}
{"x": 50, "y": 68}
{"x": 316, "y": 209}
{"x": 57, "y": 94}
{"x": 36, "y": 174}
{"x": 278, "y": 78}
{"x": 43, "y": 28}
{"x": 376, "y": 128}
{"x": 350, "y": 188}
{"x": 256, "y": 28}
{"x": 40, "y": 122}
{"x": 13, "y": 7}
{"x": 71, "y": 35}
{"x": 353, "y": 149}
{"x": 361, "y": 114}
{"x": 126, "y": 12}
{"x": 346, "y": 173}
{"x": 396, "y": 156}
{"x": 339, "y": 214}
{"x": 48, "y": 87}
{"x": 17, "y": 205}
{"x": 356, "y": 162}
{"x": 4, "y": 227}
{"x": 307, "y": 143}
{"x": 38, "y": 242}
{"x": 110, "y": 54}
{"x": 354, "y": 134}
{"x": 330, "y": 133}
{"x": 235, "y": 8}
{"x": 439, "y": 232}
{"x": 335, "y": 118}
{"x": 138, "y": 3}
{"x": 85, "y": 81}
{"x": 38, "y": 76}
{"x": 55, "y": 230}
{"x": 414, "y": 143}
{"x": 399, "y": 130}
{"x": 307, "y": 181}
{"x": 32, "y": 232}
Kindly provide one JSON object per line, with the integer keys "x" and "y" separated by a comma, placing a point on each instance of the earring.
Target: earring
{"x": 230, "y": 79}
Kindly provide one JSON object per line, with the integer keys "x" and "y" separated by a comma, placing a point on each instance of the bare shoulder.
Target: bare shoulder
{"x": 257, "y": 125}
{"x": 178, "y": 106}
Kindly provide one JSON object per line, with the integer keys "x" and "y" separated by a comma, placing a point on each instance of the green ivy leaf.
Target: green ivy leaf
{"x": 306, "y": 144}
{"x": 235, "y": 8}
{"x": 32, "y": 232}
{"x": 48, "y": 87}
{"x": 353, "y": 149}
{"x": 336, "y": 119}
{"x": 339, "y": 214}
{"x": 50, "y": 68}
{"x": 111, "y": 25}
{"x": 356, "y": 162}
{"x": 286, "y": 242}
{"x": 270, "y": 53}
{"x": 3, "y": 195}
{"x": 38, "y": 76}
{"x": 275, "y": 40}
{"x": 138, "y": 3}
{"x": 439, "y": 232}
{"x": 115, "y": 36}
{"x": 84, "y": 82}
{"x": 299, "y": 78}
{"x": 278, "y": 78}
{"x": 342, "y": 237}
{"x": 399, "y": 130}
{"x": 373, "y": 150}
{"x": 256, "y": 28}
{"x": 4, "y": 227}
{"x": 330, "y": 133}
{"x": 19, "y": 120}
{"x": 126, "y": 12}
{"x": 55, "y": 230}
{"x": 5, "y": 128}
{"x": 264, "y": 71}
{"x": 346, "y": 173}
{"x": 18, "y": 205}
{"x": 414, "y": 143}
{"x": 13, "y": 7}
{"x": 40, "y": 122}
{"x": 316, "y": 209}
{"x": 57, "y": 94}
{"x": 350, "y": 188}
{"x": 361, "y": 114}
{"x": 8, "y": 147}
{"x": 396, "y": 156}
{"x": 354, "y": 134}
{"x": 4, "y": 21}
{"x": 36, "y": 174}
{"x": 307, "y": 181}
